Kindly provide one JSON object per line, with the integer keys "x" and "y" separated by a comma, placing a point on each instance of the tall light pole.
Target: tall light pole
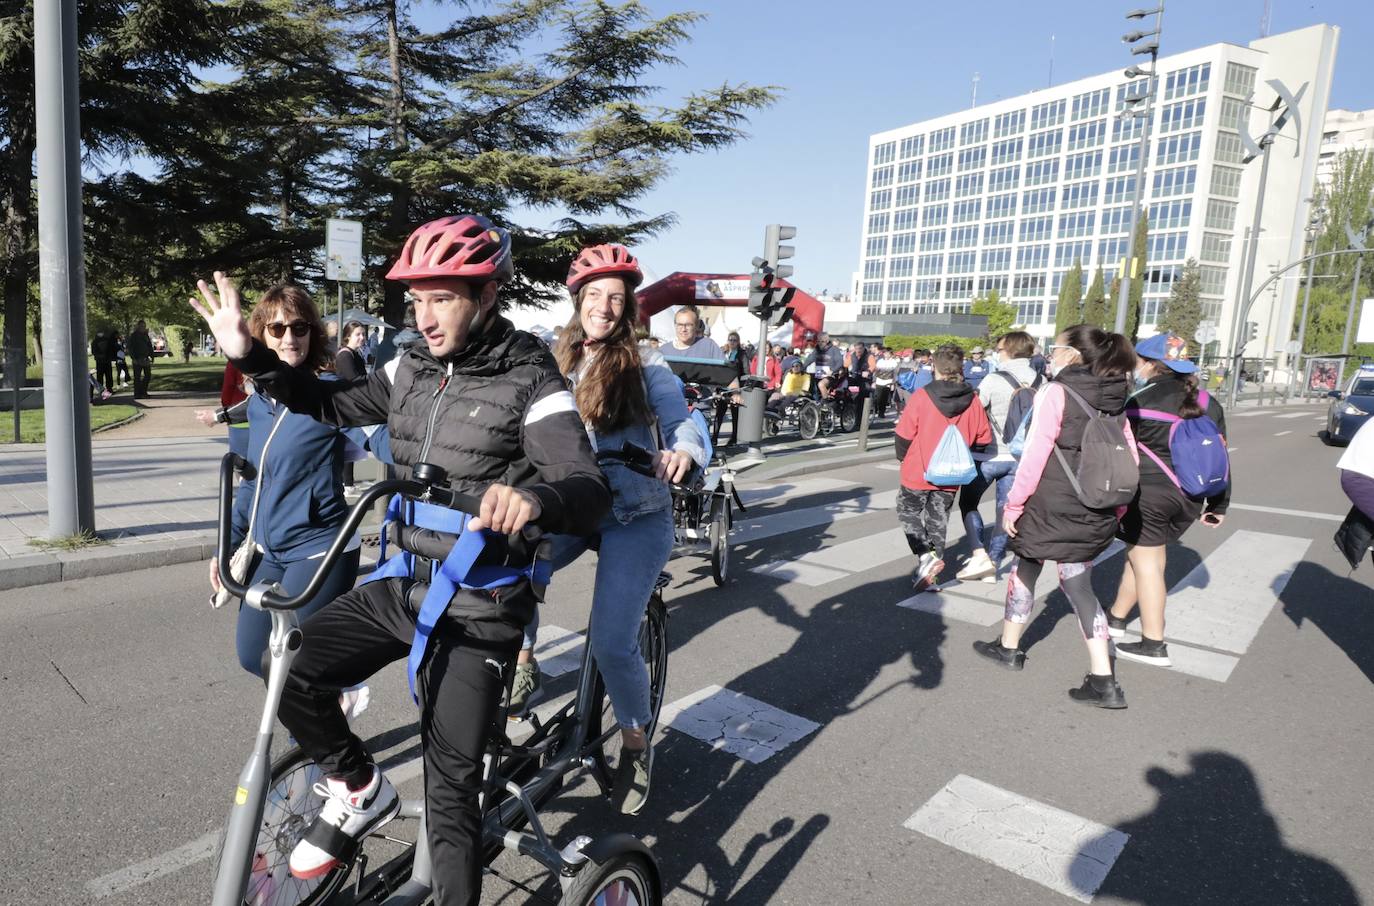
{"x": 1314, "y": 231}
{"x": 1144, "y": 42}
{"x": 1358, "y": 241}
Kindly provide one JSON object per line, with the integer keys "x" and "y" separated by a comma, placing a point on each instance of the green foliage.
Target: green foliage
{"x": 1136, "y": 291}
{"x": 1001, "y": 315}
{"x": 1095, "y": 311}
{"x": 929, "y": 341}
{"x": 1349, "y": 198}
{"x": 1183, "y": 309}
{"x": 180, "y": 340}
{"x": 1069, "y": 310}
{"x": 33, "y": 429}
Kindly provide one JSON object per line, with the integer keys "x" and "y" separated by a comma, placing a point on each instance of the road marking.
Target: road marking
{"x": 1041, "y": 843}
{"x": 758, "y": 528}
{"x": 890, "y": 466}
{"x": 736, "y": 723}
{"x": 1295, "y": 415}
{"x": 799, "y": 571}
{"x": 791, "y": 490}
{"x": 558, "y": 650}
{"x": 1249, "y": 413}
{"x": 151, "y": 869}
{"x": 1279, "y": 511}
{"x": 1212, "y": 665}
{"x": 1223, "y": 602}
{"x": 1282, "y": 433}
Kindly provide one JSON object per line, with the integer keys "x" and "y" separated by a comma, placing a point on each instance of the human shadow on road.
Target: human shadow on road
{"x": 1211, "y": 840}
{"x": 1339, "y": 606}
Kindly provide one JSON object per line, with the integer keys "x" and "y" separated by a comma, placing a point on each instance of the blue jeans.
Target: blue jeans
{"x": 990, "y": 472}
{"x": 255, "y": 626}
{"x": 628, "y": 563}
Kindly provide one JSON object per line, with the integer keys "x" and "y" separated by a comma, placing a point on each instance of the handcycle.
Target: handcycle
{"x": 838, "y": 408}
{"x": 273, "y": 806}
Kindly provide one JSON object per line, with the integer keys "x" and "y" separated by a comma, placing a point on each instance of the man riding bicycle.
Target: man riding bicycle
{"x": 487, "y": 404}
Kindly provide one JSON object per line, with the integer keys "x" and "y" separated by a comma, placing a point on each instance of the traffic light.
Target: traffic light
{"x": 774, "y": 251}
{"x": 1251, "y": 330}
{"x": 761, "y": 289}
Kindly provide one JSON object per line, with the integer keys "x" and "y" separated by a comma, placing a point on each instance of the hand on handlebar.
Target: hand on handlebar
{"x": 506, "y": 510}
{"x": 223, "y": 313}
{"x": 672, "y": 465}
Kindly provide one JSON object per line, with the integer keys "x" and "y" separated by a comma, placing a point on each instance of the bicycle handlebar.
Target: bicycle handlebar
{"x": 425, "y": 488}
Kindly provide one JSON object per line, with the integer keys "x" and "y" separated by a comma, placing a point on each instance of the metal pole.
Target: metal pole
{"x": 17, "y": 373}
{"x": 338, "y": 284}
{"x": 1123, "y": 296}
{"x": 67, "y": 414}
{"x": 863, "y": 423}
{"x": 1354, "y": 300}
{"x": 1242, "y": 304}
{"x": 1302, "y": 325}
{"x": 760, "y": 365}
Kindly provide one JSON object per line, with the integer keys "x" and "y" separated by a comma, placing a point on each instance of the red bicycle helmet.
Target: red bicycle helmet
{"x": 468, "y": 247}
{"x": 609, "y": 260}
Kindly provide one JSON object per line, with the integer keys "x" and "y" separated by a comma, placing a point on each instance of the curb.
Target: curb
{"x": 119, "y": 424}
{"x": 46, "y": 568}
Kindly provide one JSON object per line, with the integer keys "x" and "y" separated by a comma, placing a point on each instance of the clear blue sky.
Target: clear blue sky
{"x": 863, "y": 66}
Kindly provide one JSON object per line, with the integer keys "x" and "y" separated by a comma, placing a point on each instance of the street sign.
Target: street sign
{"x": 1292, "y": 347}
{"x": 343, "y": 251}
{"x": 1205, "y": 334}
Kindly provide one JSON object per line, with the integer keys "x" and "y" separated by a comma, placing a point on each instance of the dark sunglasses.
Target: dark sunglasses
{"x": 298, "y": 329}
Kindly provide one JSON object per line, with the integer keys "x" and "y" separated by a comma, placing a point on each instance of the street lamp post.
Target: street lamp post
{"x": 1148, "y": 44}
{"x": 1357, "y": 241}
{"x": 1314, "y": 227}
{"x": 1248, "y": 276}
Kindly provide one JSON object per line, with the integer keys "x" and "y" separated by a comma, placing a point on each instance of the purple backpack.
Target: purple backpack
{"x": 1202, "y": 466}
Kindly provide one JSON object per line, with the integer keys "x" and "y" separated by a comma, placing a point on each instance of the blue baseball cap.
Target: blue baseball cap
{"x": 1168, "y": 348}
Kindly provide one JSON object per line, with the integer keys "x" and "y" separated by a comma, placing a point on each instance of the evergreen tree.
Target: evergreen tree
{"x": 1183, "y": 309}
{"x": 1069, "y": 310}
{"x": 1095, "y": 302}
{"x": 1001, "y": 315}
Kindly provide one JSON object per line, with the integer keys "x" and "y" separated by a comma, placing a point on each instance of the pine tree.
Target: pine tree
{"x": 1183, "y": 309}
{"x": 1069, "y": 310}
{"x": 1095, "y": 302}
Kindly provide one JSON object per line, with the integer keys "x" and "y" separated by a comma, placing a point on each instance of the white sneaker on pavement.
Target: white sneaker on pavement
{"x": 979, "y": 566}
{"x": 347, "y": 817}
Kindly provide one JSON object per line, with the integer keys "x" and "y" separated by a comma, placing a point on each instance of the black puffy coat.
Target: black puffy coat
{"x": 1055, "y": 524}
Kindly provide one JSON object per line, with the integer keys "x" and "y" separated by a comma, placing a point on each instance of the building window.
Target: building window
{"x": 1061, "y": 276}
{"x": 998, "y": 233}
{"x": 1178, "y": 181}
{"x": 974, "y": 132}
{"x": 876, "y": 246}
{"x": 942, "y": 139}
{"x": 1066, "y": 253}
{"x": 1232, "y": 114}
{"x": 870, "y": 309}
{"x": 1120, "y": 189}
{"x": 963, "y": 237}
{"x": 933, "y": 241}
{"x": 1111, "y": 251}
{"x": 1044, "y": 144}
{"x": 1127, "y": 128}
{"x": 904, "y": 219}
{"x": 1046, "y": 171}
{"x": 1033, "y": 258}
{"x": 964, "y": 211}
{"x": 1007, "y": 152}
{"x": 900, "y": 267}
{"x": 1226, "y": 181}
{"x": 1048, "y": 114}
{"x": 986, "y": 285}
{"x": 1183, "y": 115}
{"x": 873, "y": 269}
{"x": 903, "y": 243}
{"x": 959, "y": 288}
{"x": 927, "y": 289}
{"x": 1165, "y": 246}
{"x": 877, "y": 223}
{"x": 1127, "y": 93}
{"x": 913, "y": 146}
{"x": 1215, "y": 247}
{"x": 1037, "y": 201}
{"x": 962, "y": 262}
{"x": 898, "y": 309}
{"x": 930, "y": 265}
{"x": 996, "y": 260}
{"x": 1171, "y": 215}
{"x": 1178, "y": 149}
{"x": 1009, "y": 123}
{"x": 972, "y": 158}
{"x": 1081, "y": 195}
{"x": 880, "y": 199}
{"x": 1035, "y": 229}
{"x": 1117, "y": 220}
{"x": 1002, "y": 205}
{"x": 1072, "y": 225}
{"x": 884, "y": 153}
{"x": 1093, "y": 103}
{"x": 1240, "y": 79}
{"x": 882, "y": 177}
{"x": 1221, "y": 215}
{"x": 1081, "y": 166}
{"x": 1229, "y": 150}
{"x": 934, "y": 215}
{"x": 937, "y": 189}
{"x": 909, "y": 171}
{"x": 873, "y": 292}
{"x": 1004, "y": 179}
{"x": 1087, "y": 135}
{"x": 939, "y": 165}
{"x": 1211, "y": 280}
{"x": 908, "y": 196}
{"x": 1161, "y": 279}
{"x": 1184, "y": 82}
{"x": 898, "y": 291}
{"x": 969, "y": 184}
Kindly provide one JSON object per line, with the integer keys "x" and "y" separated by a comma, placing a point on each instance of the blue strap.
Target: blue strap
{"x": 456, "y": 572}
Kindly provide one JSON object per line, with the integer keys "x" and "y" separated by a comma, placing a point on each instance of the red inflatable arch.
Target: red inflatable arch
{"x": 679, "y": 288}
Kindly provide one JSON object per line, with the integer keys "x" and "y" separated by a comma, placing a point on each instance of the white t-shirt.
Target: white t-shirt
{"x": 1359, "y": 455}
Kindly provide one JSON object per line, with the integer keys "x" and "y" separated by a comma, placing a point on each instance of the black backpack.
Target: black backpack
{"x": 1022, "y": 401}
{"x": 1107, "y": 474}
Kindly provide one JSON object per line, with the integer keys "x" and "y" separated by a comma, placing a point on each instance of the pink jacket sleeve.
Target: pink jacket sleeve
{"x": 1044, "y": 430}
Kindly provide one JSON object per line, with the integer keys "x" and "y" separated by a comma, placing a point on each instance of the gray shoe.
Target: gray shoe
{"x": 632, "y": 776}
{"x": 522, "y": 689}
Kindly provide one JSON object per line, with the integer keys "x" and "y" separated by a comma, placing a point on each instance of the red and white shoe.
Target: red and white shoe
{"x": 347, "y": 817}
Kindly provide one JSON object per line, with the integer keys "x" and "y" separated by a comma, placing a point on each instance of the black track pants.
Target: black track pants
{"x": 460, "y": 689}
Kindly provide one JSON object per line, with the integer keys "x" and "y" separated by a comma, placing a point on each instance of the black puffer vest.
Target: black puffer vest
{"x": 1055, "y": 524}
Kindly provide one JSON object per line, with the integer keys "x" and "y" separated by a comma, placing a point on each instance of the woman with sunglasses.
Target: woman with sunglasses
{"x": 295, "y": 504}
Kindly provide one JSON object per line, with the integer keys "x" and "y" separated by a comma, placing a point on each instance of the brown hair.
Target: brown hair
{"x": 949, "y": 363}
{"x": 610, "y": 394}
{"x": 294, "y": 303}
{"x": 1018, "y": 345}
{"x": 1105, "y": 354}
{"x": 1190, "y": 407}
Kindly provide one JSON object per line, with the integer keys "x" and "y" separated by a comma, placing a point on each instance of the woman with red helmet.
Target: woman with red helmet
{"x": 626, "y": 393}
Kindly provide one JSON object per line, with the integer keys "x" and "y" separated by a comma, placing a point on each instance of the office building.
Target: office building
{"x": 1345, "y": 130}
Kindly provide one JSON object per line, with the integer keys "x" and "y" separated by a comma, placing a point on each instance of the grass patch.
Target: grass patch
{"x": 31, "y": 427}
{"x": 75, "y": 542}
{"x": 203, "y": 374}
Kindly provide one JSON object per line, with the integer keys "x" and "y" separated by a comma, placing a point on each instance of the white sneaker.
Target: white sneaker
{"x": 347, "y": 817}
{"x": 927, "y": 572}
{"x": 979, "y": 566}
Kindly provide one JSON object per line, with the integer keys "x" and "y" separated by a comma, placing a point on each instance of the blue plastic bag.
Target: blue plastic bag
{"x": 951, "y": 463}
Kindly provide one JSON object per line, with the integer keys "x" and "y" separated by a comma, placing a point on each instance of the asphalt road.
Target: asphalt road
{"x": 901, "y": 769}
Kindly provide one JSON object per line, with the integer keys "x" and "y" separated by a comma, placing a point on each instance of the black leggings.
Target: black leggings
{"x": 460, "y": 690}
{"x": 1077, "y": 581}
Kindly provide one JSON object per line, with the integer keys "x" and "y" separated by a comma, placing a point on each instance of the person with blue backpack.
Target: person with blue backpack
{"x": 1008, "y": 395}
{"x": 939, "y": 429}
{"x": 1184, "y": 477}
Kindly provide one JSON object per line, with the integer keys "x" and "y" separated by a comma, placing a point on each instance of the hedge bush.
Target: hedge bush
{"x": 930, "y": 341}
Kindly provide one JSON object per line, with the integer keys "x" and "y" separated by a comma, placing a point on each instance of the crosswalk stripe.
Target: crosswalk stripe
{"x": 1249, "y": 413}
{"x": 1054, "y": 848}
{"x": 1280, "y": 511}
{"x": 1282, "y": 433}
{"x": 800, "y": 572}
{"x": 792, "y": 490}
{"x": 1212, "y": 665}
{"x": 890, "y": 466}
{"x": 558, "y": 650}
{"x": 733, "y": 722}
{"x": 760, "y": 527}
{"x": 1294, "y": 415}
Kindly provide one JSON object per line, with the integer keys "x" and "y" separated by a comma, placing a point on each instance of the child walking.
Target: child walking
{"x": 922, "y": 507}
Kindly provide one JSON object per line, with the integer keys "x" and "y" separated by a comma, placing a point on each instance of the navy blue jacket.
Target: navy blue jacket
{"x": 302, "y": 503}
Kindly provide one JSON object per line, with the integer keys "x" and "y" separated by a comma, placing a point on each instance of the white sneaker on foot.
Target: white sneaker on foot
{"x": 979, "y": 566}
{"x": 347, "y": 817}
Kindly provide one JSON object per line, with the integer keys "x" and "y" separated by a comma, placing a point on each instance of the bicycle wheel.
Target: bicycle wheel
{"x": 291, "y": 805}
{"x": 849, "y": 415}
{"x": 720, "y": 539}
{"x": 623, "y": 879}
{"x": 809, "y": 420}
{"x": 653, "y": 647}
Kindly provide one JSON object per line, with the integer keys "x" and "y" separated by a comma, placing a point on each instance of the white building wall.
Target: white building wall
{"x": 1345, "y": 130}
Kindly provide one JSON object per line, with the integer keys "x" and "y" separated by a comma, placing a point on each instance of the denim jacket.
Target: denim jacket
{"x": 633, "y": 494}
